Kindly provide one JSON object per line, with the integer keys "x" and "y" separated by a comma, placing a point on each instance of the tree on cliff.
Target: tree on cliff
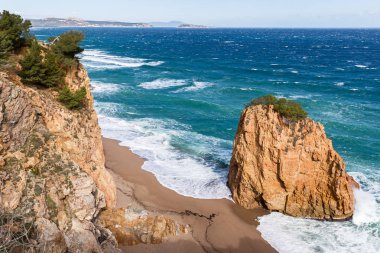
{"x": 53, "y": 71}
{"x": 67, "y": 46}
{"x": 36, "y": 70}
{"x": 33, "y": 71}
{"x": 68, "y": 43}
{"x": 14, "y": 32}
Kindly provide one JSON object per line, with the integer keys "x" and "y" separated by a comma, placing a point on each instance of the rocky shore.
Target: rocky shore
{"x": 71, "y": 191}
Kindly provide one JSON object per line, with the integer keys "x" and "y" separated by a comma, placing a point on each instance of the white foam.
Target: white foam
{"x": 101, "y": 60}
{"x": 295, "y": 235}
{"x": 366, "y": 208}
{"x": 250, "y": 89}
{"x": 294, "y": 71}
{"x": 152, "y": 139}
{"x": 100, "y": 87}
{"x": 361, "y": 66}
{"x": 339, "y": 84}
{"x": 196, "y": 86}
{"x": 162, "y": 84}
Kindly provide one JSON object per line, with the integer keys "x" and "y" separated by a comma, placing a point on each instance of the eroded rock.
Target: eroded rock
{"x": 130, "y": 228}
{"x": 288, "y": 167}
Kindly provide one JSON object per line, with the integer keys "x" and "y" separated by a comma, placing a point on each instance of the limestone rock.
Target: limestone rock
{"x": 81, "y": 239}
{"x": 50, "y": 238}
{"x": 52, "y": 166}
{"x": 131, "y": 229}
{"x": 288, "y": 167}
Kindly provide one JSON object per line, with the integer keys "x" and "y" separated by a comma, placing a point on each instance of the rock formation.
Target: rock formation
{"x": 52, "y": 169}
{"x": 53, "y": 175}
{"x": 132, "y": 228}
{"x": 288, "y": 167}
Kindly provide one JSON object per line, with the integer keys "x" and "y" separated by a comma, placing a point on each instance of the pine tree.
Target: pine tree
{"x": 14, "y": 32}
{"x": 33, "y": 70}
{"x": 67, "y": 44}
{"x": 53, "y": 71}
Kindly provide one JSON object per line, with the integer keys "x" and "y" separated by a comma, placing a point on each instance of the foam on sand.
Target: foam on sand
{"x": 152, "y": 139}
{"x": 97, "y": 59}
{"x": 162, "y": 84}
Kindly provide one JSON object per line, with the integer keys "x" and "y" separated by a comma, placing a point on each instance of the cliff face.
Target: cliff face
{"x": 290, "y": 168}
{"x": 52, "y": 166}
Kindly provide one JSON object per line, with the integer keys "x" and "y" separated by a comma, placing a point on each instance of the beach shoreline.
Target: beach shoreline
{"x": 218, "y": 225}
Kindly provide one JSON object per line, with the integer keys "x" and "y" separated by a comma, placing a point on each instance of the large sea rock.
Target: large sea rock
{"x": 288, "y": 167}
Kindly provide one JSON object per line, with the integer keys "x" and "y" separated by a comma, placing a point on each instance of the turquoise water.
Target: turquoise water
{"x": 175, "y": 96}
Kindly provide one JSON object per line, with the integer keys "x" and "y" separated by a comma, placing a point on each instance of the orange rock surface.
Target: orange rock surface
{"x": 288, "y": 167}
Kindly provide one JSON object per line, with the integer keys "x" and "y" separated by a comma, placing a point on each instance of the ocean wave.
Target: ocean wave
{"x": 339, "y": 84}
{"x": 97, "y": 59}
{"x": 162, "y": 84}
{"x": 288, "y": 234}
{"x": 100, "y": 87}
{"x": 153, "y": 140}
{"x": 361, "y": 66}
{"x": 196, "y": 86}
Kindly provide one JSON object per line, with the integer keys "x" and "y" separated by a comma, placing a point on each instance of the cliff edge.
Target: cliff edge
{"x": 52, "y": 170}
{"x": 288, "y": 167}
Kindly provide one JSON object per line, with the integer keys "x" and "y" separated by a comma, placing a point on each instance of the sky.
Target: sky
{"x": 219, "y": 13}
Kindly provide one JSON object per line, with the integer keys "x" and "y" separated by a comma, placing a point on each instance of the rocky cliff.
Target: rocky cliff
{"x": 288, "y": 167}
{"x": 52, "y": 170}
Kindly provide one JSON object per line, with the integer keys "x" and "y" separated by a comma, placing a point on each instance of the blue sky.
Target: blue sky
{"x": 226, "y": 13}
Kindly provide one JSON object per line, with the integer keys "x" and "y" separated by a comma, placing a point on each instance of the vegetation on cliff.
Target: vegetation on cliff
{"x": 14, "y": 33}
{"x": 72, "y": 100}
{"x": 43, "y": 65}
{"x": 291, "y": 110}
{"x": 53, "y": 182}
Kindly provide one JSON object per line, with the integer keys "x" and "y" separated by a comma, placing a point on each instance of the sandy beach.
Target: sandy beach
{"x": 218, "y": 225}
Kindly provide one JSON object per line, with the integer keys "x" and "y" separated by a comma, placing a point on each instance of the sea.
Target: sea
{"x": 174, "y": 97}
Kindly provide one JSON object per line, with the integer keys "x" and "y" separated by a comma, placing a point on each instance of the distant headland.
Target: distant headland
{"x": 77, "y": 22}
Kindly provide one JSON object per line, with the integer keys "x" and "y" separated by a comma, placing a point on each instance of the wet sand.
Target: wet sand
{"x": 218, "y": 225}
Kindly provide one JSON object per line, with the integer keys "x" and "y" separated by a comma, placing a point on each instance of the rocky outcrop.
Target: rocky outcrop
{"x": 288, "y": 167}
{"x": 131, "y": 227}
{"x": 52, "y": 166}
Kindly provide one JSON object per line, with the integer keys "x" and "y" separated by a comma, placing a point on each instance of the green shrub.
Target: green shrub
{"x": 38, "y": 71}
{"x": 289, "y": 109}
{"x": 14, "y": 32}
{"x": 72, "y": 100}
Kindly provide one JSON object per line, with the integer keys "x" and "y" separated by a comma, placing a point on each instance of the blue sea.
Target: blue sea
{"x": 174, "y": 97}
